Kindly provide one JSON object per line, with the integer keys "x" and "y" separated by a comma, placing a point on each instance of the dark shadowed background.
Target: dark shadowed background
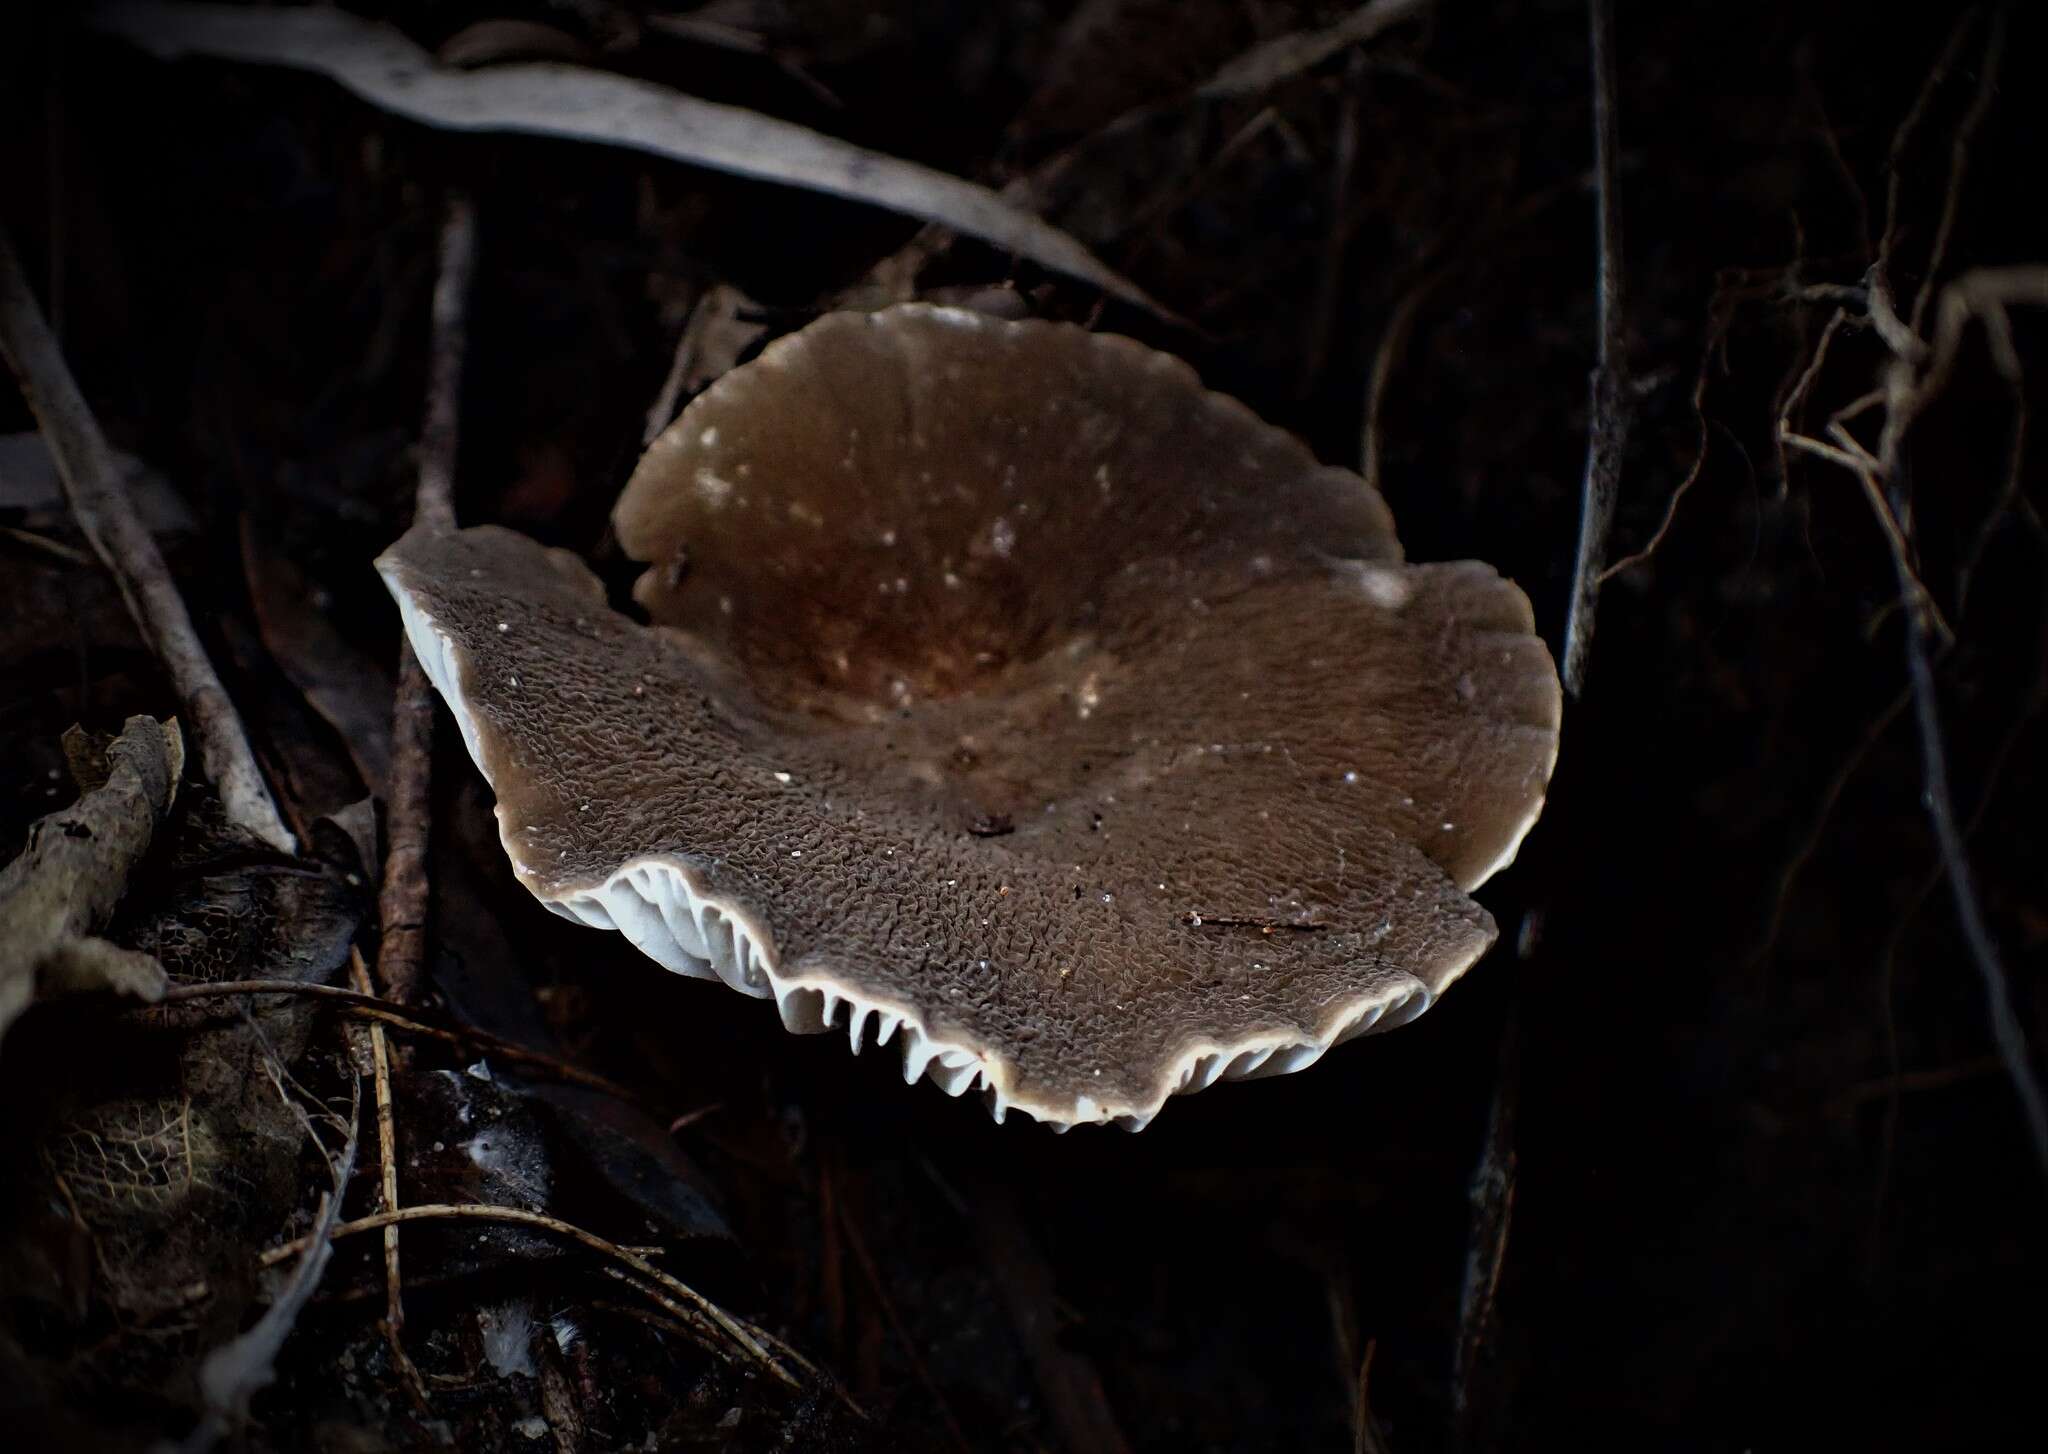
{"x": 1771, "y": 1184}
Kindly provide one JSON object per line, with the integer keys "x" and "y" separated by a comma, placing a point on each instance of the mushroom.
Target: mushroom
{"x": 1010, "y": 696}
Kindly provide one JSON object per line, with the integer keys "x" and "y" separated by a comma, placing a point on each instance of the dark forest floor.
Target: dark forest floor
{"x": 1771, "y": 1184}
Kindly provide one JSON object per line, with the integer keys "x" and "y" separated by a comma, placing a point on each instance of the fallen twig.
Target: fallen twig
{"x": 107, "y": 518}
{"x": 705, "y": 1333}
{"x": 415, "y": 1021}
{"x": 448, "y": 346}
{"x": 403, "y": 896}
{"x": 68, "y": 880}
{"x": 404, "y": 891}
{"x": 1613, "y": 402}
{"x": 753, "y": 1341}
{"x": 386, "y": 69}
{"x": 387, "y": 1185}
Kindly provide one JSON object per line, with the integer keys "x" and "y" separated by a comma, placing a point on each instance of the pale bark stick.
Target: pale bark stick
{"x": 99, "y": 501}
{"x": 402, "y": 901}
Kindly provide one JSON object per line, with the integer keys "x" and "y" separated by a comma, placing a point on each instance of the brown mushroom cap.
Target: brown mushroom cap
{"x": 1011, "y": 691}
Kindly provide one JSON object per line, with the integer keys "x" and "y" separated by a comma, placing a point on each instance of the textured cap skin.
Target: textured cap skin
{"x": 1015, "y": 695}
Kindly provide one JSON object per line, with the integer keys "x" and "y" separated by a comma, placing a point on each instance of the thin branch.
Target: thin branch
{"x": 2008, "y": 494}
{"x": 387, "y": 1185}
{"x": 1915, "y": 379}
{"x": 414, "y": 1021}
{"x": 1831, "y": 139}
{"x": 2006, "y": 1031}
{"x": 66, "y": 883}
{"x": 56, "y": 550}
{"x": 1795, "y": 397}
{"x": 1890, "y": 519}
{"x": 1981, "y": 295}
{"x": 1731, "y": 291}
{"x": 706, "y": 1334}
{"x": 743, "y": 1334}
{"x": 1809, "y": 842}
{"x": 1993, "y": 771}
{"x": 700, "y": 1328}
{"x": 403, "y": 897}
{"x": 1959, "y": 163}
{"x": 1366, "y": 1437}
{"x": 1145, "y": 224}
{"x": 1890, "y": 1087}
{"x": 1284, "y": 57}
{"x": 1336, "y": 243}
{"x": 1917, "y": 373}
{"x": 1902, "y": 138}
{"x": 1699, "y": 463}
{"x": 1250, "y": 73}
{"x": 1253, "y": 71}
{"x": 1613, "y": 399}
{"x": 448, "y": 346}
{"x": 404, "y": 894}
{"x": 1393, "y": 339}
{"x": 1832, "y": 453}
{"x": 107, "y": 518}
